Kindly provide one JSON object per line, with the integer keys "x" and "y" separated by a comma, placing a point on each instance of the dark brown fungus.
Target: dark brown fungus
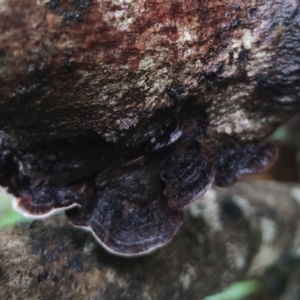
{"x": 46, "y": 178}
{"x": 128, "y": 213}
{"x": 251, "y": 158}
{"x": 43, "y": 201}
{"x": 131, "y": 198}
{"x": 127, "y": 228}
{"x": 188, "y": 175}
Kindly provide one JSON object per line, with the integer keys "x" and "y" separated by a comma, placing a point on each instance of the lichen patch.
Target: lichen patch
{"x": 268, "y": 231}
{"x": 187, "y": 278}
{"x": 264, "y": 258}
{"x": 236, "y": 256}
{"x": 295, "y": 193}
{"x": 245, "y": 206}
{"x": 211, "y": 214}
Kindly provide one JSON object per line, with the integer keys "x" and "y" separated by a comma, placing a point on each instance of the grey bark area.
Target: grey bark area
{"x": 229, "y": 235}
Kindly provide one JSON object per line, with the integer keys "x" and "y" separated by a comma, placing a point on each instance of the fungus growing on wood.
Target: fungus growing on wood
{"x": 127, "y": 113}
{"x": 128, "y": 213}
{"x": 187, "y": 175}
{"x": 132, "y": 200}
{"x": 248, "y": 159}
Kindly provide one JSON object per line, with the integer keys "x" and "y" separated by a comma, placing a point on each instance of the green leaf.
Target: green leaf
{"x": 237, "y": 291}
{"x": 8, "y": 215}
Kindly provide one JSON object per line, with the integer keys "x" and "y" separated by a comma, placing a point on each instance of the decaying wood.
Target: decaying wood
{"x": 101, "y": 100}
{"x": 118, "y": 72}
{"x": 73, "y": 67}
{"x": 231, "y": 234}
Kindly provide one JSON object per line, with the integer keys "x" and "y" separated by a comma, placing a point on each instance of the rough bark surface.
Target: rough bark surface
{"x": 151, "y": 94}
{"x": 72, "y": 67}
{"x": 132, "y": 82}
{"x": 231, "y": 234}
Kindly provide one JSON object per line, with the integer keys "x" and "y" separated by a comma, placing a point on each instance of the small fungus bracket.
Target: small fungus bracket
{"x": 251, "y": 158}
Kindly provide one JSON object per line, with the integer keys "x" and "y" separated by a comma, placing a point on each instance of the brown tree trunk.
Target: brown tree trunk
{"x": 73, "y": 67}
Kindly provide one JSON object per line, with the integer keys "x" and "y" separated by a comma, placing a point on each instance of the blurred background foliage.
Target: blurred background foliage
{"x": 8, "y": 215}
{"x": 282, "y": 280}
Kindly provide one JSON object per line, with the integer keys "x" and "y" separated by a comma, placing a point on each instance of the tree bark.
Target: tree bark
{"x": 120, "y": 74}
{"x": 231, "y": 234}
{"x": 108, "y": 67}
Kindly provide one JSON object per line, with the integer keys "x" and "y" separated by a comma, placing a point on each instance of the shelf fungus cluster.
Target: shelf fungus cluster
{"x": 123, "y": 112}
{"x": 132, "y": 199}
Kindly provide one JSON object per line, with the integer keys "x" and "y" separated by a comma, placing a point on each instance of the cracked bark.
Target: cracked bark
{"x": 231, "y": 234}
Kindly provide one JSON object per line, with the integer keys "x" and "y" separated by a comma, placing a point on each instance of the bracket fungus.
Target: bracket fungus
{"x": 124, "y": 112}
{"x": 132, "y": 200}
